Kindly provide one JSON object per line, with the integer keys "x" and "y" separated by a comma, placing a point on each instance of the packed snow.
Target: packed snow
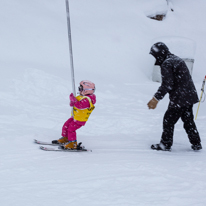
{"x": 111, "y": 43}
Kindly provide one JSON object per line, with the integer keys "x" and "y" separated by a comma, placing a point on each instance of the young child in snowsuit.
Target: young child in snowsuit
{"x": 83, "y": 105}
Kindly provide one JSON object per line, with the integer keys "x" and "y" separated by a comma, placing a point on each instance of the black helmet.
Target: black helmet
{"x": 159, "y": 50}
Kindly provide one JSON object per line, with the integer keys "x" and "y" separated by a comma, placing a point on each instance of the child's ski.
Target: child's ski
{"x": 63, "y": 150}
{"x": 45, "y": 143}
{"x": 59, "y": 148}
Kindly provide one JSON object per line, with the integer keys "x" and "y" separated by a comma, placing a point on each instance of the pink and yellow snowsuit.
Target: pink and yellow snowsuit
{"x": 82, "y": 109}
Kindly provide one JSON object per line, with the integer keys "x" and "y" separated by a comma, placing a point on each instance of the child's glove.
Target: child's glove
{"x": 73, "y": 99}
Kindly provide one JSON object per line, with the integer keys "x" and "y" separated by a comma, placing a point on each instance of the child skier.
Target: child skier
{"x": 83, "y": 105}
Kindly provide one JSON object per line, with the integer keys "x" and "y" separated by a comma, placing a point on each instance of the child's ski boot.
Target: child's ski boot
{"x": 70, "y": 145}
{"x": 62, "y": 140}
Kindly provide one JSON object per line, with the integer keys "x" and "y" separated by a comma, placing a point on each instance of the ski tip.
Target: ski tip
{"x": 43, "y": 148}
{"x": 36, "y": 141}
{"x": 46, "y": 148}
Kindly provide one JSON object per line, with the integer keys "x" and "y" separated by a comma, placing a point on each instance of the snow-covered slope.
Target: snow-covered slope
{"x": 111, "y": 42}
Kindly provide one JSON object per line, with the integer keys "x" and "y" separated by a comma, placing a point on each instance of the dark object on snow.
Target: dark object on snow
{"x": 158, "y": 17}
{"x": 177, "y": 81}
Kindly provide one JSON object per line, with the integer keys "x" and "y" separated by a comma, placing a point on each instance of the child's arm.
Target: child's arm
{"x": 83, "y": 104}
{"x": 73, "y": 99}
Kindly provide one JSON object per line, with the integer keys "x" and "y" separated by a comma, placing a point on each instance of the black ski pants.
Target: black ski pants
{"x": 171, "y": 116}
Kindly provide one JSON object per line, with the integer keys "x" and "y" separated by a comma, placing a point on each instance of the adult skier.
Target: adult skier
{"x": 177, "y": 81}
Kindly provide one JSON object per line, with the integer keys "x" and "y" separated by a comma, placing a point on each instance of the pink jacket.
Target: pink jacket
{"x": 83, "y": 104}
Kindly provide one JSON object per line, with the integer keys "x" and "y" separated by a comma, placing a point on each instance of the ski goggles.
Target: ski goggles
{"x": 81, "y": 89}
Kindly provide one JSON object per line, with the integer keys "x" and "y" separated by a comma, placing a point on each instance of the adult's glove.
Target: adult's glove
{"x": 152, "y": 104}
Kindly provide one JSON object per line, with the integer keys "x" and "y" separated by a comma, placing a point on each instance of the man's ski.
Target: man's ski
{"x": 45, "y": 143}
{"x": 63, "y": 150}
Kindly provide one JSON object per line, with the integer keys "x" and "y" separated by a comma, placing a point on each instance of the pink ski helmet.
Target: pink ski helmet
{"x": 86, "y": 87}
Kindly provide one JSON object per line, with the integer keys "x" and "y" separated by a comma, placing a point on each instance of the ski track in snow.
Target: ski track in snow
{"x": 121, "y": 170}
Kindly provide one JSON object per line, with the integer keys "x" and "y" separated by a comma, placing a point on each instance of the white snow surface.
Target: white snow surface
{"x": 111, "y": 42}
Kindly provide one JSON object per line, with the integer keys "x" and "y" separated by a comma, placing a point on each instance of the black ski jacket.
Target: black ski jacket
{"x": 177, "y": 81}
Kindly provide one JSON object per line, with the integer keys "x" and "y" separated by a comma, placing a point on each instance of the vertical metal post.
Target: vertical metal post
{"x": 70, "y": 47}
